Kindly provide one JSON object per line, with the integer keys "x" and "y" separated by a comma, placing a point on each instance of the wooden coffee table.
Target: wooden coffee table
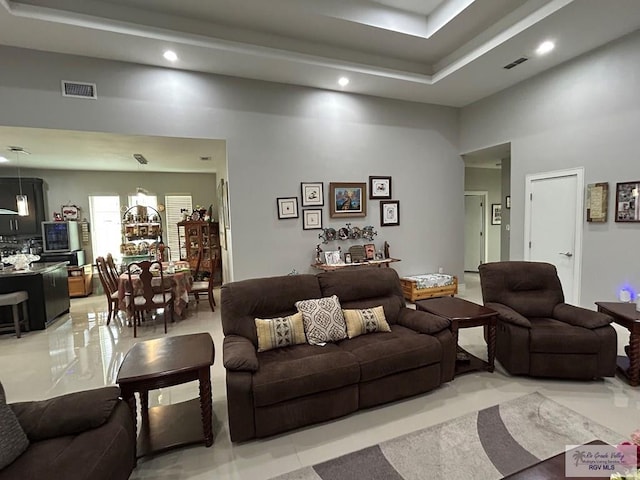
{"x": 464, "y": 314}
{"x": 161, "y": 363}
{"x": 551, "y": 468}
{"x": 625, "y": 314}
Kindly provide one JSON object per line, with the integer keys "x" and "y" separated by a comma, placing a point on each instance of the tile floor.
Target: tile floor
{"x": 79, "y": 352}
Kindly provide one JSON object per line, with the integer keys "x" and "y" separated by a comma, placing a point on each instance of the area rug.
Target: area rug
{"x": 488, "y": 444}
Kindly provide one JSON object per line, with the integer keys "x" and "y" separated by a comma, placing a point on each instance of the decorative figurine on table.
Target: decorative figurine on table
{"x": 386, "y": 250}
{"x": 318, "y": 254}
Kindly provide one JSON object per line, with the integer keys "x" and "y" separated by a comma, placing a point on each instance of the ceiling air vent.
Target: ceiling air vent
{"x": 141, "y": 160}
{"x": 515, "y": 63}
{"x": 79, "y": 89}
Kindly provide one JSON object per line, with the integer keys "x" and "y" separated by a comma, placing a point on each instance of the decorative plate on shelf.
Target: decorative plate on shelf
{"x": 195, "y": 216}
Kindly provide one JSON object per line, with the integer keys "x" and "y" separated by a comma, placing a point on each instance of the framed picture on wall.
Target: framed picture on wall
{"x": 627, "y": 205}
{"x": 390, "y": 213}
{"x": 312, "y": 194}
{"x": 287, "y": 207}
{"x": 312, "y": 219}
{"x": 347, "y": 199}
{"x": 496, "y": 214}
{"x": 379, "y": 188}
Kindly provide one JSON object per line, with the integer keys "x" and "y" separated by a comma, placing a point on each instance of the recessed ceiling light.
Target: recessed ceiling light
{"x": 343, "y": 81}
{"x": 545, "y": 47}
{"x": 170, "y": 55}
{"x": 3, "y": 160}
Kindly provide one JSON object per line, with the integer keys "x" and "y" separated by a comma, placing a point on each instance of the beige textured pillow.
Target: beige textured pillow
{"x": 368, "y": 320}
{"x": 280, "y": 332}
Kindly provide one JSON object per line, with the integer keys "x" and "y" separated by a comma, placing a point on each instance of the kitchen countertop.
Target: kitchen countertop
{"x": 36, "y": 269}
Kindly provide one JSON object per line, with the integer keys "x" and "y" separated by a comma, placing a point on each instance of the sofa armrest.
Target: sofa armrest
{"x": 423, "y": 322}
{"x": 580, "y": 317}
{"x": 239, "y": 354}
{"x": 69, "y": 414}
{"x": 509, "y": 315}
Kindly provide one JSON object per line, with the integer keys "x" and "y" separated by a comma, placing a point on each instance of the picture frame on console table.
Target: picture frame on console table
{"x": 347, "y": 199}
{"x": 627, "y": 201}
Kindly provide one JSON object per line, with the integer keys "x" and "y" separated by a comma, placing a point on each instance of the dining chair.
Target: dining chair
{"x": 113, "y": 270}
{"x": 110, "y": 290}
{"x": 200, "y": 286}
{"x": 145, "y": 296}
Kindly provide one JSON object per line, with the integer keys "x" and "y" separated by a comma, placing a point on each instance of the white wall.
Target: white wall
{"x": 489, "y": 180}
{"x": 585, "y": 113}
{"x": 277, "y": 136}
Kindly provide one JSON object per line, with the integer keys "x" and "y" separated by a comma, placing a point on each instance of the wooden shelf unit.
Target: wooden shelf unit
{"x": 197, "y": 237}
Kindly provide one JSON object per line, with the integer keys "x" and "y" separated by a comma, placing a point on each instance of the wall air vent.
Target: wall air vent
{"x": 515, "y": 63}
{"x": 79, "y": 89}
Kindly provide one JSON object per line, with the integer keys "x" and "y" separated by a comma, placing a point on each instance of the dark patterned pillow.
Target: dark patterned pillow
{"x": 368, "y": 320}
{"x": 323, "y": 320}
{"x": 280, "y": 332}
{"x": 13, "y": 440}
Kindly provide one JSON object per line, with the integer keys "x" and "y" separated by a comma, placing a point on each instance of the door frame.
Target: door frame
{"x": 577, "y": 242}
{"x": 485, "y": 227}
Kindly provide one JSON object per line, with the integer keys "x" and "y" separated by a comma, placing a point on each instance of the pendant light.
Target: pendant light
{"x": 22, "y": 202}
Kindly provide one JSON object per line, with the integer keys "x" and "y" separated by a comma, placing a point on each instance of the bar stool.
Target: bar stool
{"x": 14, "y": 299}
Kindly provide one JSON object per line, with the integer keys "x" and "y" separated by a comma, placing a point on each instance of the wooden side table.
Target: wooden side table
{"x": 625, "y": 314}
{"x": 464, "y": 314}
{"x": 161, "y": 363}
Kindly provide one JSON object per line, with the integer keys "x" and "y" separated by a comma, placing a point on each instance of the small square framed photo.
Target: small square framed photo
{"x": 390, "y": 213}
{"x": 369, "y": 251}
{"x": 287, "y": 207}
{"x": 347, "y": 258}
{"x": 379, "y": 188}
{"x": 312, "y": 194}
{"x": 312, "y": 219}
{"x": 332, "y": 258}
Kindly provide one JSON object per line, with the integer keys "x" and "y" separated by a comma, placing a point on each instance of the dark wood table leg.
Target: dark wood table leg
{"x": 206, "y": 407}
{"x": 130, "y": 397}
{"x": 634, "y": 359}
{"x": 491, "y": 344}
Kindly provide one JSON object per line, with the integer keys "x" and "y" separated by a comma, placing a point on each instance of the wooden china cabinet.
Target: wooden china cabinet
{"x": 199, "y": 237}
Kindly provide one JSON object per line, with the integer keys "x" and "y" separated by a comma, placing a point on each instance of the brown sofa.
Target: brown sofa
{"x": 86, "y": 435}
{"x": 540, "y": 335}
{"x": 285, "y": 388}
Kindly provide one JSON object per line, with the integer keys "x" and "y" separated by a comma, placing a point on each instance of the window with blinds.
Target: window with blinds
{"x": 174, "y": 204}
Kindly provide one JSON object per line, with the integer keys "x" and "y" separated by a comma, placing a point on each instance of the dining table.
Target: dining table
{"x": 177, "y": 277}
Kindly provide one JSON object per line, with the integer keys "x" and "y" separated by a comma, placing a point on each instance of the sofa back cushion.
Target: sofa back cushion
{"x": 365, "y": 287}
{"x": 532, "y": 289}
{"x": 246, "y": 300}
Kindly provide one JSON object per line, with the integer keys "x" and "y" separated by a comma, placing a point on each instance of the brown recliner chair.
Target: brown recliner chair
{"x": 540, "y": 335}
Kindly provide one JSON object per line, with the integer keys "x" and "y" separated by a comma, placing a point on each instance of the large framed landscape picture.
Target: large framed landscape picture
{"x": 347, "y": 199}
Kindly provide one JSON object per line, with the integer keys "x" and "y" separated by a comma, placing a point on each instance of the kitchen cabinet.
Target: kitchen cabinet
{"x": 15, "y": 224}
{"x": 46, "y": 284}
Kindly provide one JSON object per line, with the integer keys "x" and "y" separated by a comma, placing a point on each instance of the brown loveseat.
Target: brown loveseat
{"x": 86, "y": 435}
{"x": 540, "y": 335}
{"x": 286, "y": 388}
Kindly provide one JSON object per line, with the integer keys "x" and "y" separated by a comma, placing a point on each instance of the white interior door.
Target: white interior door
{"x": 474, "y": 237}
{"x": 553, "y": 213}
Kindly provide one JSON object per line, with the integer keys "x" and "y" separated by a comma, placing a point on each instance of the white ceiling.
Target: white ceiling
{"x": 449, "y": 52}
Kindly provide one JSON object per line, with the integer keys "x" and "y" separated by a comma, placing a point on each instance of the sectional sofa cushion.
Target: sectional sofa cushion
{"x": 293, "y": 372}
{"x": 13, "y": 440}
{"x": 366, "y": 320}
{"x": 280, "y": 332}
{"x": 323, "y": 319}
